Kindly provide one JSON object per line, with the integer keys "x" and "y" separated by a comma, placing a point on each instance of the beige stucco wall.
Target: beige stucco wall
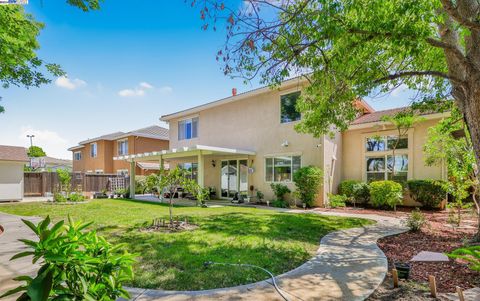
{"x": 251, "y": 124}
{"x": 11, "y": 180}
{"x": 353, "y": 156}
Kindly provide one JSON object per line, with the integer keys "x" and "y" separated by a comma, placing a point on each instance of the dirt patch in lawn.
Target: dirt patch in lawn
{"x": 407, "y": 291}
{"x": 437, "y": 236}
{"x": 165, "y": 227}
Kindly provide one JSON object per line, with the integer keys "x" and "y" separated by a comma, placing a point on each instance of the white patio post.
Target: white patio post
{"x": 132, "y": 179}
{"x": 201, "y": 170}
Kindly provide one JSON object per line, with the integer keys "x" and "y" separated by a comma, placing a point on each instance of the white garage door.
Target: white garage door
{"x": 11, "y": 181}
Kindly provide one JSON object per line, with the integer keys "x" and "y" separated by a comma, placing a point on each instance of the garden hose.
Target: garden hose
{"x": 209, "y": 263}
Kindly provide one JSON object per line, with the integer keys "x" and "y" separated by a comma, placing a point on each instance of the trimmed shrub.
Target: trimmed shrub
{"x": 76, "y": 197}
{"x": 415, "y": 221}
{"x": 429, "y": 193}
{"x": 355, "y": 191}
{"x": 279, "y": 204}
{"x": 59, "y": 197}
{"x": 385, "y": 194}
{"x": 280, "y": 190}
{"x": 307, "y": 180}
{"x": 337, "y": 200}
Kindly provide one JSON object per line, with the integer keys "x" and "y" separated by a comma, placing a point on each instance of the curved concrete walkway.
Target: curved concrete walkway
{"x": 348, "y": 266}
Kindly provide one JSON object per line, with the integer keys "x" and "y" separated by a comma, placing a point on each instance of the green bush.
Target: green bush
{"x": 385, "y": 194}
{"x": 470, "y": 254}
{"x": 308, "y": 180}
{"x": 280, "y": 190}
{"x": 140, "y": 184}
{"x": 337, "y": 200}
{"x": 416, "y": 220}
{"x": 279, "y": 204}
{"x": 59, "y": 197}
{"x": 76, "y": 264}
{"x": 429, "y": 193}
{"x": 355, "y": 191}
{"x": 76, "y": 197}
{"x": 65, "y": 179}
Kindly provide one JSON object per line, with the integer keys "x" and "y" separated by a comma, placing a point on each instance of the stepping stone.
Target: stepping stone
{"x": 427, "y": 256}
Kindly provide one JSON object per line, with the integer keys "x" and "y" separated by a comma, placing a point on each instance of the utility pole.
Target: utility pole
{"x": 31, "y": 139}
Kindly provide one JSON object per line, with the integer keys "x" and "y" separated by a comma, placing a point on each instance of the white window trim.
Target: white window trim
{"x": 122, "y": 171}
{"x": 74, "y": 156}
{"x": 273, "y": 162}
{"x": 186, "y": 119}
{"x": 96, "y": 149}
{"x": 409, "y": 151}
{"x": 99, "y": 171}
{"x": 385, "y": 156}
{"x": 286, "y": 92}
{"x": 118, "y": 146}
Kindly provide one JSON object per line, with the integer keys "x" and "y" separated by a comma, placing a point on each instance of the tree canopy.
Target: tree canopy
{"x": 19, "y": 62}
{"x": 356, "y": 48}
{"x": 35, "y": 152}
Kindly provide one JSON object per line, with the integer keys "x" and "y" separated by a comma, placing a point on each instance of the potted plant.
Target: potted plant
{"x": 403, "y": 270}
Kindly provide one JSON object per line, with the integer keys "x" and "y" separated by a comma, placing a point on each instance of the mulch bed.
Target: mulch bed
{"x": 437, "y": 236}
{"x": 165, "y": 227}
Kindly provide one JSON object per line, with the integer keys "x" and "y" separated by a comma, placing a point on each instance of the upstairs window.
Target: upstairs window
{"x": 77, "y": 156}
{"x": 288, "y": 108}
{"x": 385, "y": 143}
{"x": 93, "y": 150}
{"x": 188, "y": 128}
{"x": 122, "y": 147}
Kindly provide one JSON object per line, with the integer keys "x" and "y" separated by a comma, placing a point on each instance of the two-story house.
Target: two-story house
{"x": 243, "y": 143}
{"x": 96, "y": 155}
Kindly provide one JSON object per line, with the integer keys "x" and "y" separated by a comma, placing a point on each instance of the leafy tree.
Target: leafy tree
{"x": 458, "y": 154}
{"x": 65, "y": 179}
{"x": 170, "y": 181}
{"x": 19, "y": 64}
{"x": 356, "y": 48}
{"x": 403, "y": 122}
{"x": 36, "y": 151}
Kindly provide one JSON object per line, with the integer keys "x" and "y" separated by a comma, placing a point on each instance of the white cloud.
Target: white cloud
{"x": 145, "y": 85}
{"x": 141, "y": 90}
{"x": 131, "y": 93}
{"x": 70, "y": 84}
{"x": 51, "y": 142}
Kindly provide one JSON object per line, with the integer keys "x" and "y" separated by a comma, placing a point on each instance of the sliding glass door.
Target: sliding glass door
{"x": 234, "y": 178}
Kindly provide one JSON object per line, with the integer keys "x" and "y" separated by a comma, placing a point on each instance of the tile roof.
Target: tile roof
{"x": 154, "y": 130}
{"x": 377, "y": 115}
{"x": 13, "y": 153}
{"x": 111, "y": 136}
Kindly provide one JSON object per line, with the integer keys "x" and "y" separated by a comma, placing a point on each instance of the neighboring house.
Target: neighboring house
{"x": 12, "y": 161}
{"x": 96, "y": 155}
{"x": 245, "y": 142}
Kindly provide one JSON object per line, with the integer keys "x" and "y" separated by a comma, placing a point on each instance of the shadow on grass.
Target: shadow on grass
{"x": 278, "y": 242}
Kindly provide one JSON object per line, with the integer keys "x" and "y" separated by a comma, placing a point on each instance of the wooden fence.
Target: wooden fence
{"x": 42, "y": 183}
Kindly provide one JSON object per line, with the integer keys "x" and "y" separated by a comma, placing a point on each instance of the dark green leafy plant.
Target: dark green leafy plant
{"x": 308, "y": 180}
{"x": 470, "y": 254}
{"x": 355, "y": 191}
{"x": 429, "y": 193}
{"x": 280, "y": 190}
{"x": 75, "y": 264}
{"x": 385, "y": 193}
{"x": 279, "y": 204}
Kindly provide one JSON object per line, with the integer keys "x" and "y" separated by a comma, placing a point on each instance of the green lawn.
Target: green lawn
{"x": 276, "y": 241}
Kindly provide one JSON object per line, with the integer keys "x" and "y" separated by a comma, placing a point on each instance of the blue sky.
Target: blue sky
{"x": 127, "y": 65}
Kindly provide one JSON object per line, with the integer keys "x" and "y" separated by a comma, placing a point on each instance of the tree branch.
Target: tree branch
{"x": 418, "y": 73}
{"x": 453, "y": 12}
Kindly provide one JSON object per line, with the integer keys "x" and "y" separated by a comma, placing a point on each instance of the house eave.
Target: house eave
{"x": 385, "y": 123}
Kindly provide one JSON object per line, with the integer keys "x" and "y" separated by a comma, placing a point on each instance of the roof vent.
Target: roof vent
{"x": 234, "y": 91}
